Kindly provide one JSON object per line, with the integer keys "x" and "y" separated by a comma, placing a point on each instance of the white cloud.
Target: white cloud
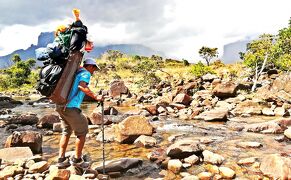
{"x": 179, "y": 29}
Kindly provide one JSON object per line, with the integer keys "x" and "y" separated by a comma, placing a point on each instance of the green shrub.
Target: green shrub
{"x": 200, "y": 69}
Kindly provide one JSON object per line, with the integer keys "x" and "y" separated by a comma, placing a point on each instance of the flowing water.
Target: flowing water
{"x": 218, "y": 137}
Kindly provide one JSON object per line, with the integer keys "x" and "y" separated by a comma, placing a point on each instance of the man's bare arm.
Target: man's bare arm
{"x": 83, "y": 87}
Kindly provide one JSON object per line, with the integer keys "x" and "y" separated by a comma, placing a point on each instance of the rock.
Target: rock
{"x": 193, "y": 159}
{"x": 204, "y": 176}
{"x": 178, "y": 106}
{"x": 276, "y": 166}
{"x": 23, "y": 119}
{"x": 145, "y": 141}
{"x": 75, "y": 170}
{"x": 209, "y": 77}
{"x": 15, "y": 153}
{"x": 76, "y": 177}
{"x": 275, "y": 126}
{"x": 249, "y": 144}
{"x": 29, "y": 163}
{"x": 174, "y": 165}
{"x": 191, "y": 177}
{"x": 212, "y": 168}
{"x": 226, "y": 172}
{"x": 212, "y": 158}
{"x": 152, "y": 109}
{"x": 47, "y": 121}
{"x": 32, "y": 139}
{"x": 96, "y": 118}
{"x": 268, "y": 112}
{"x": 158, "y": 155}
{"x": 7, "y": 102}
{"x": 287, "y": 133}
{"x": 214, "y": 115}
{"x": 59, "y": 174}
{"x": 183, "y": 149}
{"x": 8, "y": 171}
{"x": 108, "y": 135}
{"x": 280, "y": 111}
{"x": 117, "y": 88}
{"x": 57, "y": 127}
{"x": 39, "y": 167}
{"x": 119, "y": 165}
{"x": 224, "y": 104}
{"x": 182, "y": 99}
{"x": 247, "y": 161}
{"x": 131, "y": 127}
{"x": 248, "y": 107}
{"x": 225, "y": 90}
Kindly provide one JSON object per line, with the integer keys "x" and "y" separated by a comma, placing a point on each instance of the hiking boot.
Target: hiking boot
{"x": 78, "y": 162}
{"x": 63, "y": 162}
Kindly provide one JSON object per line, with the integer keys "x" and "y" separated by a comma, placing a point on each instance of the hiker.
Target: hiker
{"x": 72, "y": 118}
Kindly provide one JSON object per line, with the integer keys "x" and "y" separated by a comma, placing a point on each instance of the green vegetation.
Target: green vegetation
{"x": 275, "y": 50}
{"x": 19, "y": 74}
{"x": 200, "y": 69}
{"x": 208, "y": 53}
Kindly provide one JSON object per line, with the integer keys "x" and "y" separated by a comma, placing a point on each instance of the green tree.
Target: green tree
{"x": 19, "y": 73}
{"x": 200, "y": 69}
{"x": 208, "y": 53}
{"x": 16, "y": 58}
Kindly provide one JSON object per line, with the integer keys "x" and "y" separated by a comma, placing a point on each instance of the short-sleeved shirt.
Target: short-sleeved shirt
{"x": 76, "y": 96}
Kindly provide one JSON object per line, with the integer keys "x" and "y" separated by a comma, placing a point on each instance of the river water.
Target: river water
{"x": 219, "y": 138}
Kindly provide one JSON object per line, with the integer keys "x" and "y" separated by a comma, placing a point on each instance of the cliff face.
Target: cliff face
{"x": 231, "y": 51}
{"x": 47, "y": 37}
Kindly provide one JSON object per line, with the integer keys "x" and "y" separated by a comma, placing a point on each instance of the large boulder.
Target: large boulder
{"x": 31, "y": 139}
{"x": 117, "y": 88}
{"x": 119, "y": 165}
{"x": 96, "y": 118}
{"x": 219, "y": 114}
{"x": 132, "y": 127}
{"x": 225, "y": 90}
{"x": 184, "y": 148}
{"x": 15, "y": 153}
{"x": 182, "y": 99}
{"x": 47, "y": 121}
{"x": 276, "y": 166}
{"x": 26, "y": 119}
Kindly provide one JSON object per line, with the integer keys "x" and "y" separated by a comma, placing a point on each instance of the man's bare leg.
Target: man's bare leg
{"x": 63, "y": 145}
{"x": 80, "y": 141}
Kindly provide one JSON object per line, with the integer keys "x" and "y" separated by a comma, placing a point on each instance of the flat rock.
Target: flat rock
{"x": 213, "y": 115}
{"x": 184, "y": 148}
{"x": 249, "y": 144}
{"x": 145, "y": 141}
{"x": 119, "y": 165}
{"x": 247, "y": 161}
{"x": 15, "y": 153}
{"x": 39, "y": 167}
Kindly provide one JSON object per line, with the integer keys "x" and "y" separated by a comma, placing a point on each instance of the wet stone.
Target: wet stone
{"x": 205, "y": 175}
{"x": 174, "y": 165}
{"x": 212, "y": 158}
{"x": 226, "y": 172}
{"x": 249, "y": 144}
{"x": 247, "y": 161}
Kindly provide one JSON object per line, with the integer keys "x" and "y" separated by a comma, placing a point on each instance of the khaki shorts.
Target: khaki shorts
{"x": 73, "y": 120}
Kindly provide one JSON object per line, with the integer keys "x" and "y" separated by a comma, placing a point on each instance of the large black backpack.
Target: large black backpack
{"x": 72, "y": 40}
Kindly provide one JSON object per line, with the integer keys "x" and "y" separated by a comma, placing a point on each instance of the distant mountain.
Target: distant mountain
{"x": 231, "y": 51}
{"x": 48, "y": 37}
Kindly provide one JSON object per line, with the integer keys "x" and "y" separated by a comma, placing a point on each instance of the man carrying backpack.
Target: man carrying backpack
{"x": 72, "y": 118}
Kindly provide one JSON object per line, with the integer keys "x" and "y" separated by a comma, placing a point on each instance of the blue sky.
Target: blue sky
{"x": 176, "y": 27}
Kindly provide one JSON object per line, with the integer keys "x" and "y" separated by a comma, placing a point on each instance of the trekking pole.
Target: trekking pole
{"x": 102, "y": 127}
